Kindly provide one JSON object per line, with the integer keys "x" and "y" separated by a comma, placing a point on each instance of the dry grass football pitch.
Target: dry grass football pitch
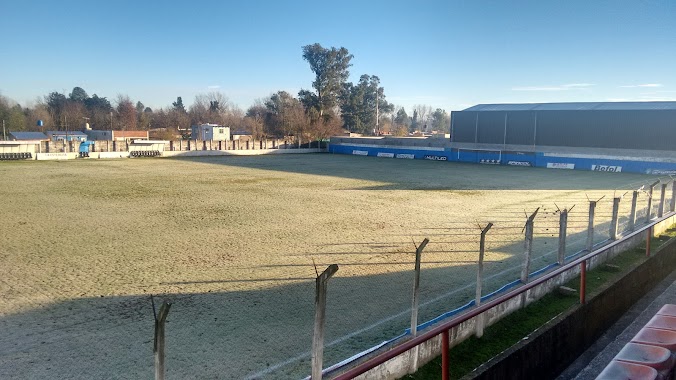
{"x": 231, "y": 241}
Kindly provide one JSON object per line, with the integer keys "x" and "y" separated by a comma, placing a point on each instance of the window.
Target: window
{"x": 221, "y": 130}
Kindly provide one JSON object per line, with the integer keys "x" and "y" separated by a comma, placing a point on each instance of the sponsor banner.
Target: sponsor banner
{"x": 405, "y": 155}
{"x": 489, "y": 162}
{"x": 384, "y": 154}
{"x": 360, "y": 152}
{"x": 56, "y": 156}
{"x": 435, "y": 158}
{"x": 519, "y": 163}
{"x": 518, "y": 153}
{"x": 560, "y": 165}
{"x": 661, "y": 172}
{"x": 606, "y": 168}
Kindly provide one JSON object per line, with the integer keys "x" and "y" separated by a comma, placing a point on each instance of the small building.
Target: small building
{"x": 67, "y": 136}
{"x": 34, "y": 136}
{"x": 242, "y": 135}
{"x": 209, "y": 131}
{"x": 116, "y": 135}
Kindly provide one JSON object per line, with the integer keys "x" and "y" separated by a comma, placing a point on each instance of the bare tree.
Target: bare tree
{"x": 126, "y": 112}
{"x": 423, "y": 115}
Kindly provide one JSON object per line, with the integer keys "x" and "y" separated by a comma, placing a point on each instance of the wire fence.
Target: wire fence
{"x": 368, "y": 311}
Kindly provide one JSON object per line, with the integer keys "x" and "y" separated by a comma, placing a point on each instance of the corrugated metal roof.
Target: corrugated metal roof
{"x": 575, "y": 106}
{"x": 29, "y": 135}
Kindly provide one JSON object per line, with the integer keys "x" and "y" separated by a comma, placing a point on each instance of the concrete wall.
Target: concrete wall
{"x": 117, "y": 149}
{"x": 650, "y": 162}
{"x": 405, "y": 364}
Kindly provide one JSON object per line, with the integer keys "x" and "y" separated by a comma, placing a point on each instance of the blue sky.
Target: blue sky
{"x": 446, "y": 54}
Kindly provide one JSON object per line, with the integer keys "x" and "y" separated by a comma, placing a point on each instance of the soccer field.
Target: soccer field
{"x": 232, "y": 242}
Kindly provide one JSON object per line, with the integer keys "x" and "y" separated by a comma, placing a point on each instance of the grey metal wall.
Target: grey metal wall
{"x": 625, "y": 129}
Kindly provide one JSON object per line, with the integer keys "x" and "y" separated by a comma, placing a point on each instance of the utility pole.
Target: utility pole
{"x": 4, "y": 135}
{"x": 377, "y": 113}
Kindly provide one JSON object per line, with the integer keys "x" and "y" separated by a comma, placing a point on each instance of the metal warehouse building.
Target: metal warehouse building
{"x": 618, "y": 125}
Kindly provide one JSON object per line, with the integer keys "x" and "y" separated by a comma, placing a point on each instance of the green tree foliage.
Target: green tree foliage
{"x": 441, "y": 121}
{"x": 178, "y": 105}
{"x": 13, "y": 115}
{"x": 361, "y": 103}
{"x": 99, "y": 110}
{"x": 56, "y": 104}
{"x": 330, "y": 67}
{"x": 285, "y": 115}
{"x": 402, "y": 119}
{"x": 78, "y": 95}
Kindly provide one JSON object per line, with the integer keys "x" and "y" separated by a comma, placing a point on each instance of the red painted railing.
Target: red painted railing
{"x": 446, "y": 326}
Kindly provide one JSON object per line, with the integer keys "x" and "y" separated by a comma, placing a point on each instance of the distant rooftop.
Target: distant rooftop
{"x": 29, "y": 136}
{"x": 628, "y": 106}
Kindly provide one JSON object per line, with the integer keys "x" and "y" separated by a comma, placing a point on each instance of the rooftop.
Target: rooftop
{"x": 29, "y": 135}
{"x": 595, "y": 106}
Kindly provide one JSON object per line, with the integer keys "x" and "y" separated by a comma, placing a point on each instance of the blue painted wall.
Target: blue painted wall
{"x": 512, "y": 158}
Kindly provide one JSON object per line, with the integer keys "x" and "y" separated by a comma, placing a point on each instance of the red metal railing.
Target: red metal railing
{"x": 446, "y": 326}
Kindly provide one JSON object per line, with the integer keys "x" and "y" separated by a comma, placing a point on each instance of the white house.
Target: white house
{"x": 210, "y": 132}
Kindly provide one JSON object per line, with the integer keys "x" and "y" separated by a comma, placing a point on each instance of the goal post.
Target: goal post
{"x": 481, "y": 156}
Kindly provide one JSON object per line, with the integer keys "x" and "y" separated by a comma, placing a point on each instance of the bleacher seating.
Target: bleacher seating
{"x": 145, "y": 153}
{"x": 16, "y": 156}
{"x": 651, "y": 354}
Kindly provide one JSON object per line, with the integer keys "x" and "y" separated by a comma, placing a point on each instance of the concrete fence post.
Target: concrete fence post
{"x": 416, "y": 298}
{"x": 614, "y": 220}
{"x": 528, "y": 248}
{"x": 648, "y": 214}
{"x": 158, "y": 347}
{"x": 672, "y": 204}
{"x": 590, "y": 227}
{"x": 632, "y": 213}
{"x": 320, "y": 317}
{"x": 563, "y": 225}
{"x": 480, "y": 319}
{"x": 663, "y": 194}
{"x": 416, "y": 287}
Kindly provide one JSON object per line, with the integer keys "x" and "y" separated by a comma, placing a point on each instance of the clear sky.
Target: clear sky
{"x": 446, "y": 54}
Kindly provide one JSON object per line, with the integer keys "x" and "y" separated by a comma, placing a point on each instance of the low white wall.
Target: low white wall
{"x": 109, "y": 155}
{"x": 56, "y": 156}
{"x": 194, "y": 153}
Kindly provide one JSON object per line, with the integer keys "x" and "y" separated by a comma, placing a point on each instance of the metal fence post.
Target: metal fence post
{"x": 583, "y": 281}
{"x": 320, "y": 316}
{"x": 590, "y": 227}
{"x": 613, "y": 221}
{"x": 672, "y": 204}
{"x": 445, "y": 370}
{"x": 480, "y": 320}
{"x": 632, "y": 214}
{"x": 663, "y": 194}
{"x": 563, "y": 225}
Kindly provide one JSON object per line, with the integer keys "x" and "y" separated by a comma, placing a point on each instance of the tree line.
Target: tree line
{"x": 331, "y": 106}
